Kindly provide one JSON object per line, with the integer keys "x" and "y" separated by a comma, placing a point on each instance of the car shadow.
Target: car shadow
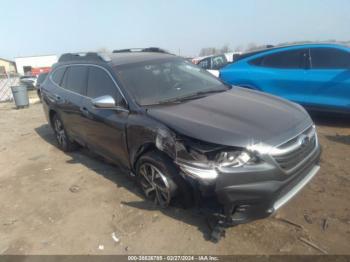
{"x": 333, "y": 120}
{"x": 343, "y": 139}
{"x": 330, "y": 119}
{"x": 192, "y": 216}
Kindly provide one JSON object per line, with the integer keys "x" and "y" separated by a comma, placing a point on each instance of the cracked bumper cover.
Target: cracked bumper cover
{"x": 257, "y": 192}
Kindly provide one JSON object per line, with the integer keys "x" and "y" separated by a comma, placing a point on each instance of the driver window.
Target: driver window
{"x": 329, "y": 58}
{"x": 101, "y": 84}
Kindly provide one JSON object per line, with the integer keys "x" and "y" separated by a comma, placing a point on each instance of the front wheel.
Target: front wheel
{"x": 160, "y": 182}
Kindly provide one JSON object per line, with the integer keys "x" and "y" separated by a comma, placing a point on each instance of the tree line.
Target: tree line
{"x": 252, "y": 47}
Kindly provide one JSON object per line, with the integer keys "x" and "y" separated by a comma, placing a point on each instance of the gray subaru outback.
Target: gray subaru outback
{"x": 184, "y": 135}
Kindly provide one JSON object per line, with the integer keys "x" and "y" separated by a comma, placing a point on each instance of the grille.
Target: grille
{"x": 293, "y": 152}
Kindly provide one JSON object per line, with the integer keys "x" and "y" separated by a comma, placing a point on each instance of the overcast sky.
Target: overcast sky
{"x": 53, "y": 27}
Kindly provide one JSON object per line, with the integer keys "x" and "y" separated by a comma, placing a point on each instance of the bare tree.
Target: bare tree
{"x": 225, "y": 49}
{"x": 238, "y": 48}
{"x": 103, "y": 50}
{"x": 208, "y": 51}
{"x": 251, "y": 47}
{"x": 214, "y": 51}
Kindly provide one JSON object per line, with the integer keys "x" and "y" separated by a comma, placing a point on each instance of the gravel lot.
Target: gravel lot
{"x": 57, "y": 203}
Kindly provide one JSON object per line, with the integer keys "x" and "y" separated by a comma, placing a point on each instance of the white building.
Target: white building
{"x": 34, "y": 64}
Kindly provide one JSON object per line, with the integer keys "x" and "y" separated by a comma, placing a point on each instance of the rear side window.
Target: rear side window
{"x": 329, "y": 58}
{"x": 75, "y": 79}
{"x": 57, "y": 75}
{"x": 293, "y": 59}
{"x": 218, "y": 62}
{"x": 100, "y": 84}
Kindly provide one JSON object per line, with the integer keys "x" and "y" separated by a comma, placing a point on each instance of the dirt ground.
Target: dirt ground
{"x": 57, "y": 203}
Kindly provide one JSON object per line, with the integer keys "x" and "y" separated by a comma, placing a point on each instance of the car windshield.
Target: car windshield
{"x": 175, "y": 80}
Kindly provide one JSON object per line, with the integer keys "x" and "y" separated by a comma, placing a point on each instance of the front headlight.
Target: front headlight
{"x": 233, "y": 158}
{"x": 225, "y": 160}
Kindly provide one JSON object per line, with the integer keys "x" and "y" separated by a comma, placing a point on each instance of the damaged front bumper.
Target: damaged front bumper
{"x": 252, "y": 192}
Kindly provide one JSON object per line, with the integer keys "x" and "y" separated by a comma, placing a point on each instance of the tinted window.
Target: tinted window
{"x": 41, "y": 78}
{"x": 75, "y": 79}
{"x": 205, "y": 63}
{"x": 287, "y": 59}
{"x": 218, "y": 62}
{"x": 57, "y": 75}
{"x": 100, "y": 84}
{"x": 323, "y": 58}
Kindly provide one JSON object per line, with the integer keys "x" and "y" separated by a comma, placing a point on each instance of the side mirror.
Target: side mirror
{"x": 104, "y": 102}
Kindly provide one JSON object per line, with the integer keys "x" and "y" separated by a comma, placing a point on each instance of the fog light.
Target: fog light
{"x": 242, "y": 208}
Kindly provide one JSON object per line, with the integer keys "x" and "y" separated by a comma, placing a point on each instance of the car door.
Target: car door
{"x": 70, "y": 99}
{"x": 105, "y": 128}
{"x": 329, "y": 77}
{"x": 282, "y": 73}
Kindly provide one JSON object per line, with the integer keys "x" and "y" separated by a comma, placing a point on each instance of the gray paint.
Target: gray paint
{"x": 238, "y": 117}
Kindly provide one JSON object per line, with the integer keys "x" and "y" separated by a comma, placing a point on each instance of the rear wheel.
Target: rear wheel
{"x": 64, "y": 143}
{"x": 160, "y": 182}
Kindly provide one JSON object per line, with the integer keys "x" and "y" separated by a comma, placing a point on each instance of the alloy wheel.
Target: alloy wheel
{"x": 60, "y": 134}
{"x": 155, "y": 184}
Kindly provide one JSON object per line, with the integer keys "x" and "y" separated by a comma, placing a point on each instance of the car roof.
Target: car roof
{"x": 207, "y": 56}
{"x": 113, "y": 59}
{"x": 118, "y": 59}
{"x": 287, "y": 47}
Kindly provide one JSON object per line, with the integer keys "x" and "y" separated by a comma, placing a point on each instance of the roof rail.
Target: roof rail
{"x": 89, "y": 56}
{"x": 147, "y": 49}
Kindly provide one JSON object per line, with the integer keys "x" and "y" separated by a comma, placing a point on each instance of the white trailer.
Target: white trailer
{"x": 27, "y": 64}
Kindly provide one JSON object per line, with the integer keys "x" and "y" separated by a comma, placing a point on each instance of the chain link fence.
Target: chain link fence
{"x": 6, "y": 81}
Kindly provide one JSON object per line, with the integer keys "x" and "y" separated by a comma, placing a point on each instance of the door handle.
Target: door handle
{"x": 57, "y": 97}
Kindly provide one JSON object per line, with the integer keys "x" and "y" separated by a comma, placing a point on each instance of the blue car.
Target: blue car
{"x": 316, "y": 76}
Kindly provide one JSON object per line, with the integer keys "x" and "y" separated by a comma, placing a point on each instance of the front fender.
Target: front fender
{"x": 144, "y": 134}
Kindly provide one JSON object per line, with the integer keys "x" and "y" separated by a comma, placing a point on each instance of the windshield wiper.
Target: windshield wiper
{"x": 209, "y": 92}
{"x": 193, "y": 96}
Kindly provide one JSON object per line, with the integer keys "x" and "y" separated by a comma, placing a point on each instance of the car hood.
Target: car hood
{"x": 238, "y": 117}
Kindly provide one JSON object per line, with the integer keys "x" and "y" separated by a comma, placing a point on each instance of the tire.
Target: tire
{"x": 39, "y": 95}
{"x": 62, "y": 138}
{"x": 167, "y": 185}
